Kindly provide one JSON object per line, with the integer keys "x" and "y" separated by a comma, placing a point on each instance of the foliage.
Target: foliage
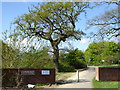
{"x": 66, "y": 68}
{"x": 33, "y": 59}
{"x": 96, "y": 52}
{"x": 10, "y": 56}
{"x": 54, "y": 22}
{"x": 37, "y": 59}
{"x": 16, "y": 54}
{"x": 74, "y": 59}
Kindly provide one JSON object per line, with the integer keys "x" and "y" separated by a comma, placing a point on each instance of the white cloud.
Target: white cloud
{"x": 85, "y": 40}
{"x": 17, "y": 44}
{"x": 80, "y": 44}
{"x": 24, "y": 44}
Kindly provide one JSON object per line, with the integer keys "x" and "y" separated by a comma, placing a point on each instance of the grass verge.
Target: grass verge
{"x": 114, "y": 65}
{"x": 105, "y": 84}
{"x": 40, "y": 85}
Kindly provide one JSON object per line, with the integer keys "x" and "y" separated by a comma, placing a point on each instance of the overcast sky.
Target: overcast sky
{"x": 10, "y": 10}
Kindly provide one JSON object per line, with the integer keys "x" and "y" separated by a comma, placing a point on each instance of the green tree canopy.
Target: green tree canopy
{"x": 96, "y": 52}
{"x": 74, "y": 58}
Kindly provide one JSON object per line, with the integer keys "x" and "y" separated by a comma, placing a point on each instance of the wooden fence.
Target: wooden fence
{"x": 108, "y": 73}
{"x": 13, "y": 77}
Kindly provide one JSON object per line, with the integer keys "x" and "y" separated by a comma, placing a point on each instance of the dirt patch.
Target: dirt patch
{"x": 64, "y": 76}
{"x": 60, "y": 79}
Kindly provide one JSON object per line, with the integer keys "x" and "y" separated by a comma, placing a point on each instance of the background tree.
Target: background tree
{"x": 54, "y": 22}
{"x": 96, "y": 52}
{"x": 37, "y": 58}
{"x": 9, "y": 56}
{"x": 23, "y": 52}
{"x": 74, "y": 59}
{"x": 14, "y": 58}
{"x": 107, "y": 24}
{"x": 110, "y": 53}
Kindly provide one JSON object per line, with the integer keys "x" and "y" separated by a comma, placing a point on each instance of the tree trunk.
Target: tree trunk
{"x": 56, "y": 57}
{"x": 56, "y": 60}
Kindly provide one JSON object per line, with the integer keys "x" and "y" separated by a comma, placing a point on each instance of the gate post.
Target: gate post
{"x": 77, "y": 75}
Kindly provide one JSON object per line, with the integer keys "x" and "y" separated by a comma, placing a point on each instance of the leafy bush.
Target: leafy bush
{"x": 66, "y": 68}
{"x": 74, "y": 59}
{"x": 13, "y": 58}
{"x": 37, "y": 59}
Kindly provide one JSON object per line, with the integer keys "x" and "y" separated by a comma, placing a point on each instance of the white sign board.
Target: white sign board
{"x": 45, "y": 72}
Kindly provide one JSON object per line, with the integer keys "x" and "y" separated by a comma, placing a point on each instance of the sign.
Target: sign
{"x": 23, "y": 72}
{"x": 45, "y": 72}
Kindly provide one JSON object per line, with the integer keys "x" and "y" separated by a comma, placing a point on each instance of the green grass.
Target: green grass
{"x": 105, "y": 84}
{"x": 114, "y": 65}
{"x": 40, "y": 85}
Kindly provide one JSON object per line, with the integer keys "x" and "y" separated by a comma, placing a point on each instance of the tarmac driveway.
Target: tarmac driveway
{"x": 85, "y": 79}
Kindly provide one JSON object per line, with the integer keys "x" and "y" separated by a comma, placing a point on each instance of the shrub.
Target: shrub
{"x": 72, "y": 60}
{"x": 66, "y": 68}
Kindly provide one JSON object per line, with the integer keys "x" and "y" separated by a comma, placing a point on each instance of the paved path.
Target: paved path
{"x": 85, "y": 80}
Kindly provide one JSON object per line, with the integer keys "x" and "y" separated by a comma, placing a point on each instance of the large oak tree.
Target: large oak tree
{"x": 54, "y": 22}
